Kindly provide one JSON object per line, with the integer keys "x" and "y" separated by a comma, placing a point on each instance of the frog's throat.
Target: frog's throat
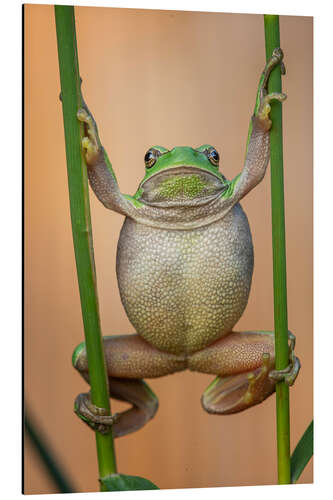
{"x": 181, "y": 186}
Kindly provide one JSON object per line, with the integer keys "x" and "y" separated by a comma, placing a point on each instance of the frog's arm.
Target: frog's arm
{"x": 100, "y": 173}
{"x": 258, "y": 145}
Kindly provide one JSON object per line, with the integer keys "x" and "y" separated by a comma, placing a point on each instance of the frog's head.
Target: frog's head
{"x": 181, "y": 176}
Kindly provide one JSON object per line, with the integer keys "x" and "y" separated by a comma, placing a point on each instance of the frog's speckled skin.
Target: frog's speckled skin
{"x": 184, "y": 289}
{"x": 184, "y": 268}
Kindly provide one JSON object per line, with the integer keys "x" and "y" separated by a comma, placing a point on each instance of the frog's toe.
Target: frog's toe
{"x": 277, "y": 57}
{"x": 275, "y": 60}
{"x": 265, "y": 107}
{"x": 97, "y": 418}
{"x": 90, "y": 148}
{"x": 90, "y": 141}
{"x": 84, "y": 116}
{"x": 236, "y": 393}
{"x": 289, "y": 374}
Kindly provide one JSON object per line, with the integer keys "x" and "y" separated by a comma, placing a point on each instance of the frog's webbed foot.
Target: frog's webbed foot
{"x": 264, "y": 99}
{"x": 262, "y": 114}
{"x": 236, "y": 393}
{"x": 244, "y": 363}
{"x": 289, "y": 374}
{"x": 136, "y": 392}
{"x": 97, "y": 418}
{"x": 90, "y": 143}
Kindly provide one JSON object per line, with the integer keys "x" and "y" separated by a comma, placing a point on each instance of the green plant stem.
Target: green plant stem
{"x": 47, "y": 456}
{"x": 81, "y": 225}
{"x": 272, "y": 39}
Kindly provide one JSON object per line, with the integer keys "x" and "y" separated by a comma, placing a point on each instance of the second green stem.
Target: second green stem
{"x": 272, "y": 39}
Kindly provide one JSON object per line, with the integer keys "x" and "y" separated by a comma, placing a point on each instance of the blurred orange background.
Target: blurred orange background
{"x": 168, "y": 78}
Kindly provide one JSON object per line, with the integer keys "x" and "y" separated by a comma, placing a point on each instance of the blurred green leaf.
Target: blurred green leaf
{"x": 47, "y": 456}
{"x": 302, "y": 453}
{"x": 122, "y": 482}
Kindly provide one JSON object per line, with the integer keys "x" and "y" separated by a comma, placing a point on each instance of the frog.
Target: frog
{"x": 184, "y": 268}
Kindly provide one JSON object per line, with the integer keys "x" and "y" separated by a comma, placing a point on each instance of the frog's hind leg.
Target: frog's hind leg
{"x": 129, "y": 359}
{"x": 244, "y": 363}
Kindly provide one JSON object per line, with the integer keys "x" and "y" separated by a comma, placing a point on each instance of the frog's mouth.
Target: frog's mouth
{"x": 181, "y": 186}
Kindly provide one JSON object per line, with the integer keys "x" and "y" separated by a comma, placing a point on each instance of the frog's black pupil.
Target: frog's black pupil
{"x": 148, "y": 156}
{"x": 214, "y": 154}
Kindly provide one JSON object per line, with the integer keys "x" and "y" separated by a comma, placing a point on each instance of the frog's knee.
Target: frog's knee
{"x": 79, "y": 358}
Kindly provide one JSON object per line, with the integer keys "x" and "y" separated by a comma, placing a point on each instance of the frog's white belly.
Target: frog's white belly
{"x": 182, "y": 290}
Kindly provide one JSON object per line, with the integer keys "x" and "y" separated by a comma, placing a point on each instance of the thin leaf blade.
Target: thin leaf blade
{"x": 302, "y": 454}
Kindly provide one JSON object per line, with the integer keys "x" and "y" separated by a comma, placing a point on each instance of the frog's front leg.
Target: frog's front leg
{"x": 100, "y": 173}
{"x": 129, "y": 359}
{"x": 244, "y": 363}
{"x": 258, "y": 145}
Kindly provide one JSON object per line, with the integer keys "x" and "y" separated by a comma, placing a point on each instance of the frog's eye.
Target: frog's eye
{"x": 213, "y": 156}
{"x": 151, "y": 157}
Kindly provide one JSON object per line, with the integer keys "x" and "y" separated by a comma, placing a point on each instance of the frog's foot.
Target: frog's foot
{"x": 90, "y": 142}
{"x": 97, "y": 418}
{"x": 275, "y": 60}
{"x": 244, "y": 363}
{"x": 236, "y": 393}
{"x": 136, "y": 392}
{"x": 264, "y": 99}
{"x": 262, "y": 114}
{"x": 289, "y": 374}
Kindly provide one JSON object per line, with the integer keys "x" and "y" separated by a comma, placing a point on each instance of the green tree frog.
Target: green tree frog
{"x": 184, "y": 269}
